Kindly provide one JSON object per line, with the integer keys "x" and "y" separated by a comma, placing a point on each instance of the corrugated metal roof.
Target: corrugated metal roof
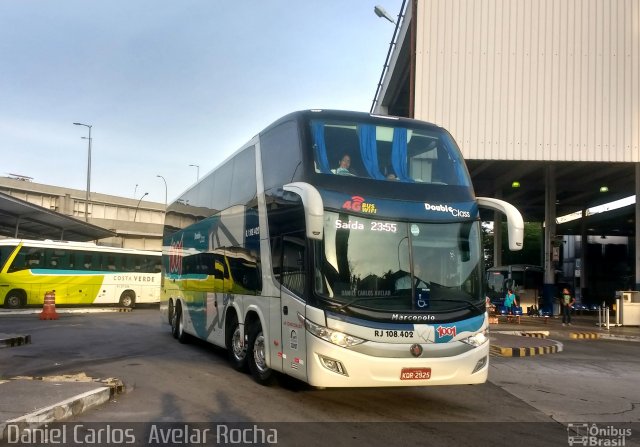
{"x": 532, "y": 80}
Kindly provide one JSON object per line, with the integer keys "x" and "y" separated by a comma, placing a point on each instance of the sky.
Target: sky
{"x": 170, "y": 83}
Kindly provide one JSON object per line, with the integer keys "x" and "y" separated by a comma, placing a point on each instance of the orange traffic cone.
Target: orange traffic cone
{"x": 49, "y": 307}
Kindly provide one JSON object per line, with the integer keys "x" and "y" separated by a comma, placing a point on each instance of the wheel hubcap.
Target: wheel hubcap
{"x": 258, "y": 353}
{"x": 237, "y": 345}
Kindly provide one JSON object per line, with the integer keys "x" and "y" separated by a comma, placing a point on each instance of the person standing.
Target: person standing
{"x": 509, "y": 303}
{"x": 567, "y": 304}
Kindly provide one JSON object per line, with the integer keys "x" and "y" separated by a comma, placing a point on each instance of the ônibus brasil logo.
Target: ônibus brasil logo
{"x": 358, "y": 204}
{"x": 175, "y": 257}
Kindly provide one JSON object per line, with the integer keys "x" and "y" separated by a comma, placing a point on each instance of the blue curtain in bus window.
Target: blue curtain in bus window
{"x": 320, "y": 146}
{"x": 399, "y": 154}
{"x": 368, "y": 150}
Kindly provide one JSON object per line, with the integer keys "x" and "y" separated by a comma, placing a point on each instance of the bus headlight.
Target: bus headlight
{"x": 330, "y": 335}
{"x": 476, "y": 340}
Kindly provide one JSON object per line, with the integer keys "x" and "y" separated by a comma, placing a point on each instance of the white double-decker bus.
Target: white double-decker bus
{"x": 80, "y": 273}
{"x": 340, "y": 248}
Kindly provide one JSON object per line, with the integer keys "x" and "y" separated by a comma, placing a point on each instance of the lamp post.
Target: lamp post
{"x": 197, "y": 171}
{"x": 165, "y": 190}
{"x": 380, "y": 12}
{"x": 138, "y": 205}
{"x": 86, "y": 203}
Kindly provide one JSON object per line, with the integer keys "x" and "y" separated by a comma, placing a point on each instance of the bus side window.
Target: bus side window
{"x": 276, "y": 258}
{"x": 19, "y": 262}
{"x": 35, "y": 258}
{"x": 293, "y": 273}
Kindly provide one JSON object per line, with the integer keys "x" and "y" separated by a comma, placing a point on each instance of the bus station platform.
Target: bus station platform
{"x": 32, "y": 402}
{"x": 539, "y": 335}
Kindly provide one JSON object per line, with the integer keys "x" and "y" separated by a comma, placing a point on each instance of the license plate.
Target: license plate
{"x": 415, "y": 374}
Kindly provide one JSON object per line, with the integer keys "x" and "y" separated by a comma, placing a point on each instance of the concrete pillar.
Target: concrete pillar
{"x": 497, "y": 239}
{"x": 637, "y": 238}
{"x": 548, "y": 290}
{"x": 584, "y": 240}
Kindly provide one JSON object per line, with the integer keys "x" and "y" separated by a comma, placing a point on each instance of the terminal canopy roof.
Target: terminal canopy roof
{"x": 25, "y": 220}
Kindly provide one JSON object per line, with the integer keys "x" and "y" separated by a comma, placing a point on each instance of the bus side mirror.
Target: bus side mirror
{"x": 515, "y": 224}
{"x": 313, "y": 208}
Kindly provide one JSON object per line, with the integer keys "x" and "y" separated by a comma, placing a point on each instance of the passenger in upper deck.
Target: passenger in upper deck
{"x": 344, "y": 167}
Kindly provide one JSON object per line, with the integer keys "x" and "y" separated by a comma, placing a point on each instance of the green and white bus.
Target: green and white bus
{"x": 81, "y": 273}
{"x": 341, "y": 275}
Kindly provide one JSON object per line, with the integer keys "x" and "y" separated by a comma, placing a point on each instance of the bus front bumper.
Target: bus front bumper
{"x": 332, "y": 366}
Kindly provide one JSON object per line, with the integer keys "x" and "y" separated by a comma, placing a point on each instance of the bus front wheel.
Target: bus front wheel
{"x": 257, "y": 356}
{"x": 13, "y": 300}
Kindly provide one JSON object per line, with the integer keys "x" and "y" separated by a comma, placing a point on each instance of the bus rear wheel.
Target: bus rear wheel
{"x": 127, "y": 299}
{"x": 235, "y": 345}
{"x": 174, "y": 315}
{"x": 177, "y": 325}
{"x": 257, "y": 356}
{"x": 13, "y": 300}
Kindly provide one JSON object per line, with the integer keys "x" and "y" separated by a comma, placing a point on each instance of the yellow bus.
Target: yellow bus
{"x": 81, "y": 273}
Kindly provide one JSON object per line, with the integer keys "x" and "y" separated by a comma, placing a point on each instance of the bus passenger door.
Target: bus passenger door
{"x": 292, "y": 287}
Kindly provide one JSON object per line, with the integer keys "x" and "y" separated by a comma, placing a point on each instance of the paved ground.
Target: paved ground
{"x": 42, "y": 400}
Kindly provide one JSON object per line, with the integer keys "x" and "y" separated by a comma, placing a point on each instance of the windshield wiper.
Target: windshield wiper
{"x": 350, "y": 303}
{"x": 478, "y": 307}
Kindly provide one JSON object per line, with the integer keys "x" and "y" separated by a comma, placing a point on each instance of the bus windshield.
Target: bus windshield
{"x": 399, "y": 266}
{"x": 382, "y": 152}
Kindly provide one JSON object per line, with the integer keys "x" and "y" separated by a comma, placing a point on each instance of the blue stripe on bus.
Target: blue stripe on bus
{"x": 371, "y": 324}
{"x": 444, "y": 332}
{"x": 436, "y": 211}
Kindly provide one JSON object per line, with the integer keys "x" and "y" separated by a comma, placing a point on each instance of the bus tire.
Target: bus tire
{"x": 257, "y": 358}
{"x": 14, "y": 299}
{"x": 128, "y": 299}
{"x": 180, "y": 334}
{"x": 174, "y": 314}
{"x": 170, "y": 314}
{"x": 235, "y": 346}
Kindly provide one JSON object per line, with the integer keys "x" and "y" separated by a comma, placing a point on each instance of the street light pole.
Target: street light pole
{"x": 86, "y": 203}
{"x": 380, "y": 12}
{"x": 165, "y": 190}
{"x": 197, "y": 171}
{"x": 138, "y": 205}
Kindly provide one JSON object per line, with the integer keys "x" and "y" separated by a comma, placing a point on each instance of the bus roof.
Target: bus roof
{"x": 348, "y": 115}
{"x": 73, "y": 245}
